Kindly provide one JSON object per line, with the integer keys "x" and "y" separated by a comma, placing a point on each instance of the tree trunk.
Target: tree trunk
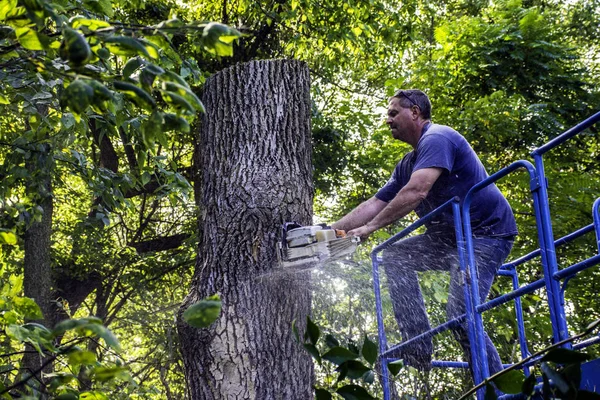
{"x": 37, "y": 266}
{"x": 254, "y": 174}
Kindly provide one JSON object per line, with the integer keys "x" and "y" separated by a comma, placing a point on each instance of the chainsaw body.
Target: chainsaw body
{"x": 306, "y": 245}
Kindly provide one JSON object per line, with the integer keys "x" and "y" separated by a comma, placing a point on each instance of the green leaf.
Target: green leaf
{"x": 103, "y": 53}
{"x": 186, "y": 93}
{"x": 572, "y": 374}
{"x": 146, "y": 177}
{"x": 138, "y": 95}
{"x": 28, "y": 308}
{"x": 95, "y": 395}
{"x": 369, "y": 351}
{"x": 356, "y": 369}
{"x": 218, "y": 38}
{"x": 339, "y": 355}
{"x": 126, "y": 46}
{"x": 395, "y": 366}
{"x": 30, "y": 39}
{"x": 369, "y": 377}
{"x": 354, "y": 392}
{"x": 7, "y": 237}
{"x": 295, "y": 331}
{"x": 313, "y": 351}
{"x": 151, "y": 129}
{"x": 104, "y": 374}
{"x": 556, "y": 378}
{"x": 70, "y": 324}
{"x": 74, "y": 47}
{"x": 79, "y": 357}
{"x": 510, "y": 382}
{"x": 174, "y": 122}
{"x": 312, "y": 331}
{"x": 102, "y": 95}
{"x": 151, "y": 48}
{"x": 178, "y": 102}
{"x": 60, "y": 378}
{"x": 171, "y": 76}
{"x": 91, "y": 24}
{"x": 100, "y": 6}
{"x": 6, "y": 368}
{"x": 490, "y": 392}
{"x": 131, "y": 66}
{"x": 331, "y": 341}
{"x": 5, "y": 7}
{"x": 78, "y": 96}
{"x": 342, "y": 371}
{"x": 104, "y": 333}
{"x": 353, "y": 347}
{"x": 172, "y": 23}
{"x": 35, "y": 337}
{"x": 565, "y": 356}
{"x": 529, "y": 385}
{"x": 322, "y": 394}
{"x": 203, "y": 313}
{"x": 165, "y": 45}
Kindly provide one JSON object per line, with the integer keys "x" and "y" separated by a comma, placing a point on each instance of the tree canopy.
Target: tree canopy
{"x": 98, "y": 122}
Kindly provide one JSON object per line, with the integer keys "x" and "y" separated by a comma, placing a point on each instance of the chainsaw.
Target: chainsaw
{"x": 313, "y": 244}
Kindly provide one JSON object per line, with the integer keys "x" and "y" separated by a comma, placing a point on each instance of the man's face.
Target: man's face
{"x": 398, "y": 119}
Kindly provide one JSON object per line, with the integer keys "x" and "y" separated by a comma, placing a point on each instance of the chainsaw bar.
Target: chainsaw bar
{"x": 305, "y": 245}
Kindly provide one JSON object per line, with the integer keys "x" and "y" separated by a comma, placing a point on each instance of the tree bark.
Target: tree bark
{"x": 37, "y": 265}
{"x": 254, "y": 174}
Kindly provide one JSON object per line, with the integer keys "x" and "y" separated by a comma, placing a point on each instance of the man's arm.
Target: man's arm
{"x": 360, "y": 215}
{"x": 407, "y": 199}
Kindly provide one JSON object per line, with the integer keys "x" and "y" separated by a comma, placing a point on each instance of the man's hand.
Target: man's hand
{"x": 362, "y": 232}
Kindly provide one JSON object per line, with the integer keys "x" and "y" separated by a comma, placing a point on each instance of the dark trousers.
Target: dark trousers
{"x": 435, "y": 252}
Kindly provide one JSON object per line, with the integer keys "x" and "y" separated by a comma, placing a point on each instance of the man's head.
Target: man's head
{"x": 414, "y": 97}
{"x": 408, "y": 112}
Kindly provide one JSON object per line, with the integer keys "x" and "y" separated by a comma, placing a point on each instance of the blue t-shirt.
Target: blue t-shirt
{"x": 441, "y": 146}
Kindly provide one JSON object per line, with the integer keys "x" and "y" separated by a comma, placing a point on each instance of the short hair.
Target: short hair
{"x": 414, "y": 97}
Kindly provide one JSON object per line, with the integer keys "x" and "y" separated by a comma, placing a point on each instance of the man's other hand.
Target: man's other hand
{"x": 363, "y": 232}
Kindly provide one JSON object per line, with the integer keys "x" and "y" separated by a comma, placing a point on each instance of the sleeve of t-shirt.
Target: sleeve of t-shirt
{"x": 435, "y": 151}
{"x": 392, "y": 186}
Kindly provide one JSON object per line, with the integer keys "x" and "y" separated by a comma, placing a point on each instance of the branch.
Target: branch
{"x": 160, "y": 244}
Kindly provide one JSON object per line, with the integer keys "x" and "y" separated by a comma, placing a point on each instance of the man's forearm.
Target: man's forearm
{"x": 405, "y": 201}
{"x": 361, "y": 215}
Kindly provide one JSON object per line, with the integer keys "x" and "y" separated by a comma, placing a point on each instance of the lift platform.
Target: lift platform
{"x": 552, "y": 275}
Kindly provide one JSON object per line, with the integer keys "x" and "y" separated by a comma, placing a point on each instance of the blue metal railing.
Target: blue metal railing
{"x": 468, "y": 269}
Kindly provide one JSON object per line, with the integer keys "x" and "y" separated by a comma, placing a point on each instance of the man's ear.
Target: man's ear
{"x": 415, "y": 112}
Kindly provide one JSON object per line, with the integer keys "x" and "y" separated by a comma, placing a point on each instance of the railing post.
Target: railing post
{"x": 479, "y": 357}
{"x": 469, "y": 306}
{"x": 596, "y": 214}
{"x": 549, "y": 263}
{"x": 385, "y": 379}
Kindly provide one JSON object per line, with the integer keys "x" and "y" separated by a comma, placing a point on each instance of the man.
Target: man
{"x": 442, "y": 165}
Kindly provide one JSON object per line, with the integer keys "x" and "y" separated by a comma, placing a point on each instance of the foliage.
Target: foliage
{"x": 203, "y": 313}
{"x": 560, "y": 374}
{"x": 352, "y": 363}
{"x": 99, "y": 98}
{"x": 63, "y": 345}
{"x": 86, "y": 85}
